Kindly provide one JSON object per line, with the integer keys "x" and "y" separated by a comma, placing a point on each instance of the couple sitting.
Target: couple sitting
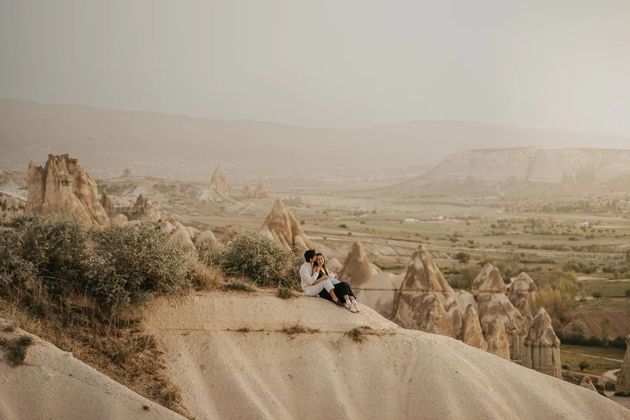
{"x": 317, "y": 281}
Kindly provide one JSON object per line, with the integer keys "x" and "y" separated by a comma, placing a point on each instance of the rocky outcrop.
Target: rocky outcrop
{"x": 587, "y": 383}
{"x": 259, "y": 193}
{"x": 623, "y": 377}
{"x": 108, "y": 204}
{"x": 419, "y": 302}
{"x": 471, "y": 332}
{"x": 282, "y": 226}
{"x": 497, "y": 307}
{"x": 63, "y": 186}
{"x": 11, "y": 207}
{"x": 456, "y": 305}
{"x": 523, "y": 292}
{"x": 542, "y": 346}
{"x": 219, "y": 182}
{"x": 206, "y": 236}
{"x": 497, "y": 339}
{"x": 489, "y": 280}
{"x": 144, "y": 209}
{"x": 356, "y": 268}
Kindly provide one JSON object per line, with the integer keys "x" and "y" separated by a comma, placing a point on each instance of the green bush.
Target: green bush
{"x": 14, "y": 270}
{"x": 583, "y": 365}
{"x": 597, "y": 294}
{"x": 131, "y": 263}
{"x": 261, "y": 259}
{"x": 210, "y": 253}
{"x": 462, "y": 257}
{"x": 57, "y": 247}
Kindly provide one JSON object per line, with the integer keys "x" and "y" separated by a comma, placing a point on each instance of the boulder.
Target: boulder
{"x": 356, "y": 268}
{"x": 334, "y": 265}
{"x": 542, "y": 346}
{"x": 281, "y": 225}
{"x": 471, "y": 333}
{"x": 522, "y": 293}
{"x": 489, "y": 280}
{"x": 63, "y": 186}
{"x": 497, "y": 339}
{"x": 206, "y": 236}
{"x": 219, "y": 183}
{"x": 118, "y": 219}
{"x": 623, "y": 377}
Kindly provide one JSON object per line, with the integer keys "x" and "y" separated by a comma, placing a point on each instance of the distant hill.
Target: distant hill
{"x": 510, "y": 171}
{"x": 176, "y": 146}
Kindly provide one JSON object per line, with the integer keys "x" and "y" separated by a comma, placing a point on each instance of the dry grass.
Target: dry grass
{"x": 238, "y": 285}
{"x": 206, "y": 277}
{"x": 298, "y": 329}
{"x": 121, "y": 351}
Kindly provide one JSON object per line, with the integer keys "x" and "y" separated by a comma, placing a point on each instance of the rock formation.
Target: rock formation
{"x": 489, "y": 280}
{"x": 11, "y": 207}
{"x": 496, "y": 306}
{"x": 356, "y": 268}
{"x": 259, "y": 193}
{"x": 522, "y": 293}
{"x": 497, "y": 339}
{"x": 63, "y": 186}
{"x": 282, "y": 226}
{"x": 144, "y": 209}
{"x": 542, "y": 346}
{"x": 623, "y": 377}
{"x": 419, "y": 302}
{"x": 108, "y": 204}
{"x": 219, "y": 182}
{"x": 471, "y": 333}
{"x": 206, "y": 236}
{"x": 456, "y": 306}
{"x": 587, "y": 383}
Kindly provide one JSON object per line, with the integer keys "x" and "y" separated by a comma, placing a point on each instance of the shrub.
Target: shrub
{"x": 57, "y": 249}
{"x": 14, "y": 270}
{"x": 284, "y": 292}
{"x": 583, "y": 365}
{"x": 261, "y": 259}
{"x": 235, "y": 284}
{"x": 462, "y": 257}
{"x": 597, "y": 294}
{"x": 343, "y": 226}
{"x": 210, "y": 253}
{"x": 132, "y": 263}
{"x": 16, "y": 349}
{"x": 627, "y": 292}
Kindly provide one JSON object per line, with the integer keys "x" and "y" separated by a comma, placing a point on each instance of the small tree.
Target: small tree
{"x": 597, "y": 294}
{"x": 628, "y": 293}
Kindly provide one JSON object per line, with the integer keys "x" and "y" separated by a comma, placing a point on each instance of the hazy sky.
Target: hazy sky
{"x": 341, "y": 63}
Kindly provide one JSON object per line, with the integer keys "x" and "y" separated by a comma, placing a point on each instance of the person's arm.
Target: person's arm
{"x": 309, "y": 278}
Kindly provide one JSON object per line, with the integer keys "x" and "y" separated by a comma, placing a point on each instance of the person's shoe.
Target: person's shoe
{"x": 338, "y": 302}
{"x": 350, "y": 306}
{"x": 355, "y": 305}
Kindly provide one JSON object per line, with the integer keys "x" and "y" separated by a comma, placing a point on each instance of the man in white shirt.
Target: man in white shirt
{"x": 311, "y": 285}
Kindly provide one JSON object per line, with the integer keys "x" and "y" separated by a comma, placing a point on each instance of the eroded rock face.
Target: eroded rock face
{"x": 108, "y": 204}
{"x": 497, "y": 307}
{"x": 419, "y": 302}
{"x": 489, "y": 280}
{"x": 63, "y": 186}
{"x": 259, "y": 193}
{"x": 471, "y": 333}
{"x": 497, "y": 339}
{"x": 282, "y": 226}
{"x": 11, "y": 207}
{"x": 523, "y": 293}
{"x": 219, "y": 182}
{"x": 144, "y": 209}
{"x": 542, "y": 346}
{"x": 356, "y": 268}
{"x": 456, "y": 305}
{"x": 587, "y": 383}
{"x": 623, "y": 377}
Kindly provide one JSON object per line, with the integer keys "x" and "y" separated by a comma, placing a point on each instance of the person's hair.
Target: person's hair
{"x": 309, "y": 254}
{"x": 319, "y": 254}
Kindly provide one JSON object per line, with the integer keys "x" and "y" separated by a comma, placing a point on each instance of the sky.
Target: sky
{"x": 560, "y": 64}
